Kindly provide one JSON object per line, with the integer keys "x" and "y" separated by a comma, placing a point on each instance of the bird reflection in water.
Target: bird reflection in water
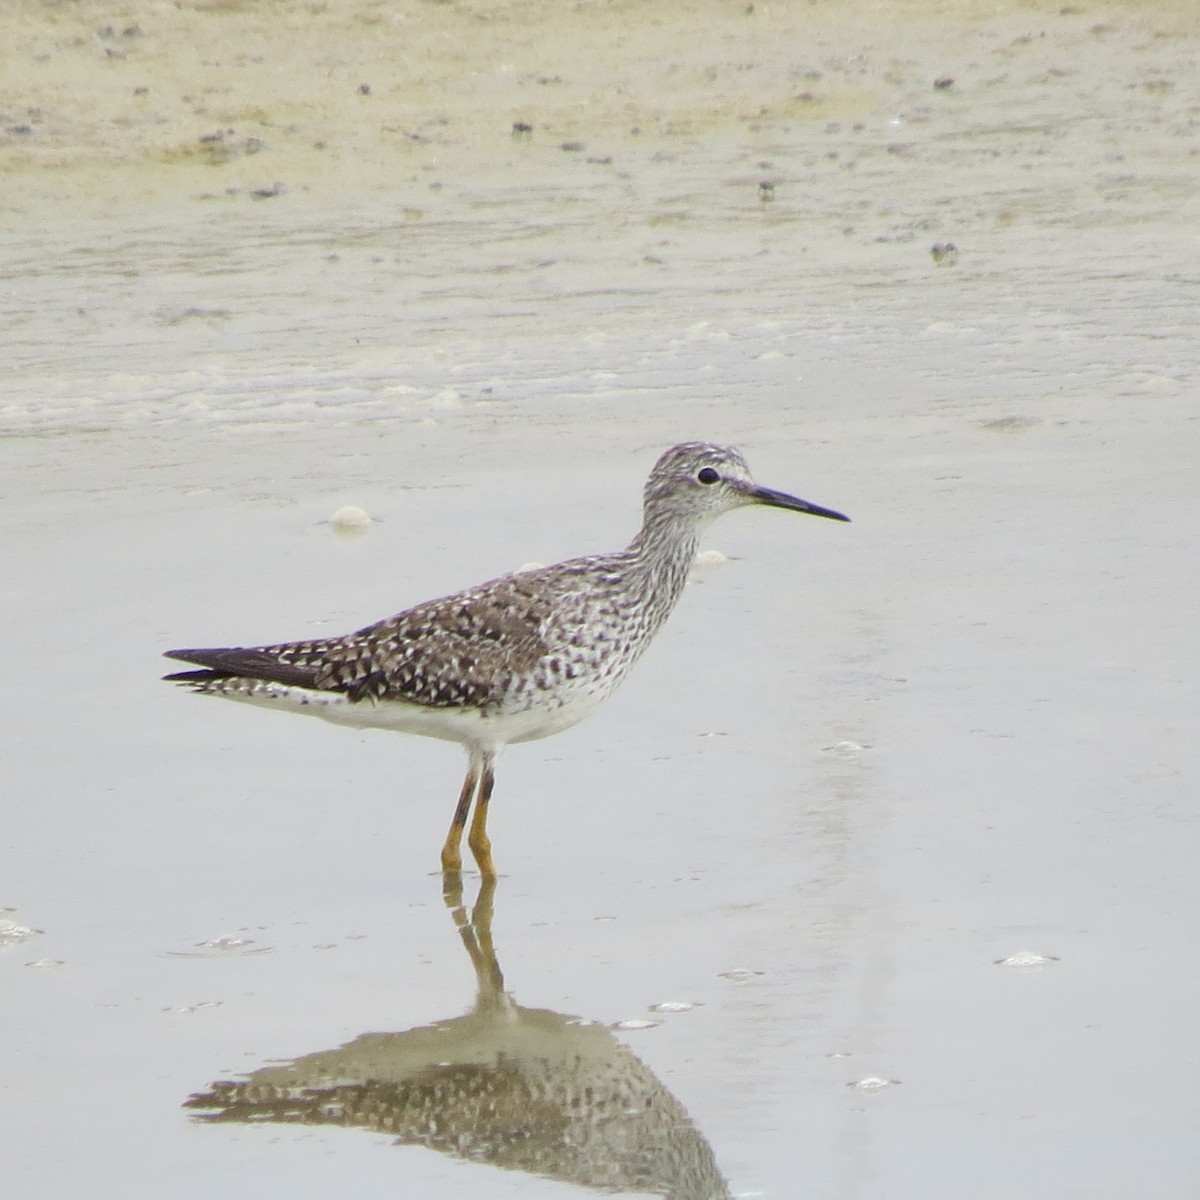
{"x": 525, "y": 1089}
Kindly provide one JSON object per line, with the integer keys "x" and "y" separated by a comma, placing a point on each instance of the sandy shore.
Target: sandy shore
{"x": 130, "y": 104}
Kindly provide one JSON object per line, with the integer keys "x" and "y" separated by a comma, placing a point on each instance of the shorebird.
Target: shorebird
{"x": 512, "y": 660}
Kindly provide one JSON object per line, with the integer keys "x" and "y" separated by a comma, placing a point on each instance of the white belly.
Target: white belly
{"x": 467, "y": 726}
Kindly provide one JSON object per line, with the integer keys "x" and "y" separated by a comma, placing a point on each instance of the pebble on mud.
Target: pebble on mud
{"x": 351, "y": 521}
{"x": 1026, "y": 958}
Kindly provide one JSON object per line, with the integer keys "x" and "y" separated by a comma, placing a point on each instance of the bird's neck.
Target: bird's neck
{"x": 663, "y": 553}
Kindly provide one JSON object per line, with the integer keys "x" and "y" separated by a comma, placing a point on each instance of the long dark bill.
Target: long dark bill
{"x": 782, "y": 500}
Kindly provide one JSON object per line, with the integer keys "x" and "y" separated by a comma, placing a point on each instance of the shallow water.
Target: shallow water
{"x": 861, "y": 765}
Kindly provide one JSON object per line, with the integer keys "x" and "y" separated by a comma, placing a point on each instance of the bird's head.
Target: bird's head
{"x": 698, "y": 481}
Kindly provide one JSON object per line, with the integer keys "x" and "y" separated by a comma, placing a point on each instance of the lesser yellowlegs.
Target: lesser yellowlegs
{"x": 515, "y": 659}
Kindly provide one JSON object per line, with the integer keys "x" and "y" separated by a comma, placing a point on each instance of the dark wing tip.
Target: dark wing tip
{"x": 209, "y": 659}
{"x": 190, "y": 655}
{"x": 193, "y": 676}
{"x": 237, "y": 661}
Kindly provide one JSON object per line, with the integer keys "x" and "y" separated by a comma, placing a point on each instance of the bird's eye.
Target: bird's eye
{"x": 707, "y": 475}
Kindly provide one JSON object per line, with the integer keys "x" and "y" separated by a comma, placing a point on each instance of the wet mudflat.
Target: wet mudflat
{"x": 907, "y": 804}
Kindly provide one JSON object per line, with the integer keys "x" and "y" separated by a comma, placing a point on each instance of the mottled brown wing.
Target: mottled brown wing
{"x": 459, "y": 651}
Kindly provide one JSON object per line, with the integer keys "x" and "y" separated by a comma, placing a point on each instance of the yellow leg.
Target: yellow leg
{"x": 477, "y": 839}
{"x": 451, "y": 852}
